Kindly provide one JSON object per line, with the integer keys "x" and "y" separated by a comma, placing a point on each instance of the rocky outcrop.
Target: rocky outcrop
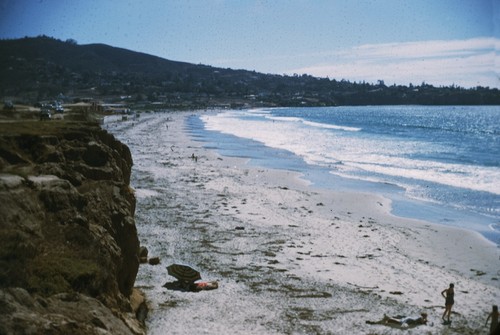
{"x": 63, "y": 313}
{"x": 69, "y": 247}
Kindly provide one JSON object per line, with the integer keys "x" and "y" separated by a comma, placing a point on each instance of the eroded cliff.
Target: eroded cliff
{"x": 69, "y": 245}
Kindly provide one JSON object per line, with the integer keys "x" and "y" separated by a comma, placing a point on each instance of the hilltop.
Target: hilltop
{"x": 43, "y": 68}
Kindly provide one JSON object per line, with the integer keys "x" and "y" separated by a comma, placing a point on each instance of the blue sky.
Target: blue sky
{"x": 441, "y": 42}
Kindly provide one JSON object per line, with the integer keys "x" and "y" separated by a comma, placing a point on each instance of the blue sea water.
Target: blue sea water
{"x": 437, "y": 163}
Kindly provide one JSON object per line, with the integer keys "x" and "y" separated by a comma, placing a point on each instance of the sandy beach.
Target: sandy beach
{"x": 289, "y": 258}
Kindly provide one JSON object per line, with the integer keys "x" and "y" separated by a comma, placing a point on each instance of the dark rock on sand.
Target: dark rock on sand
{"x": 154, "y": 260}
{"x": 143, "y": 255}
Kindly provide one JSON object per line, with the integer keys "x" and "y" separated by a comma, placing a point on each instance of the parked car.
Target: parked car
{"x": 45, "y": 114}
{"x": 59, "y": 108}
{"x": 8, "y": 105}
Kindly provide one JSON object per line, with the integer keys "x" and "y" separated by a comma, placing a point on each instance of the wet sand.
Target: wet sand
{"x": 290, "y": 258}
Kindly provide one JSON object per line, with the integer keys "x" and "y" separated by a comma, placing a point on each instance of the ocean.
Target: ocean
{"x": 436, "y": 163}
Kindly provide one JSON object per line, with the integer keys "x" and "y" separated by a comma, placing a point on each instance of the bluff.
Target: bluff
{"x": 69, "y": 246}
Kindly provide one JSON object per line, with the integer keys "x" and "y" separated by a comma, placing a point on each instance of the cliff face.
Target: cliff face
{"x": 68, "y": 241}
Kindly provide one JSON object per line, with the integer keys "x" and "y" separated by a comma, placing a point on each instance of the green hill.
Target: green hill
{"x": 42, "y": 68}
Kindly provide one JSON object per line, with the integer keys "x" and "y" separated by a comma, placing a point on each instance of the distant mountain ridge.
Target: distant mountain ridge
{"x": 40, "y": 68}
{"x": 94, "y": 57}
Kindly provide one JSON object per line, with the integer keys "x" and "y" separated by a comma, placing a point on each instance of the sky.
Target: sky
{"x": 439, "y": 42}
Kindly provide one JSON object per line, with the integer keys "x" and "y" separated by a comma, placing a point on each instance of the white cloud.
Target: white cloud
{"x": 467, "y": 63}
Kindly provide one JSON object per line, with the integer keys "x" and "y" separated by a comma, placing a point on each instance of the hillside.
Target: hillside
{"x": 42, "y": 68}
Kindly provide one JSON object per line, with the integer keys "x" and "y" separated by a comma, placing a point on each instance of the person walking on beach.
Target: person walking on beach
{"x": 494, "y": 321}
{"x": 449, "y": 295}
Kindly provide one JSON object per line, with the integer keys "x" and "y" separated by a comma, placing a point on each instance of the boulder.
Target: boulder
{"x": 143, "y": 255}
{"x": 64, "y": 313}
{"x": 154, "y": 260}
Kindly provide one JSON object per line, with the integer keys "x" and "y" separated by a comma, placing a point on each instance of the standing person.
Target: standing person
{"x": 449, "y": 295}
{"x": 494, "y": 320}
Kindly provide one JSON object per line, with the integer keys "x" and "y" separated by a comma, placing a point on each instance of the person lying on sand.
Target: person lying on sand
{"x": 188, "y": 286}
{"x": 403, "y": 321}
{"x": 199, "y": 286}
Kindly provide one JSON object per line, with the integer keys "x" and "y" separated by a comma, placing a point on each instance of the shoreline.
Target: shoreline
{"x": 325, "y": 177}
{"x": 288, "y": 257}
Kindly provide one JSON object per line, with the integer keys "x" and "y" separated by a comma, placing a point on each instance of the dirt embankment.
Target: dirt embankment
{"x": 68, "y": 240}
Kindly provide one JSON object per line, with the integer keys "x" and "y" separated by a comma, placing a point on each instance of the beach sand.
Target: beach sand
{"x": 289, "y": 258}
